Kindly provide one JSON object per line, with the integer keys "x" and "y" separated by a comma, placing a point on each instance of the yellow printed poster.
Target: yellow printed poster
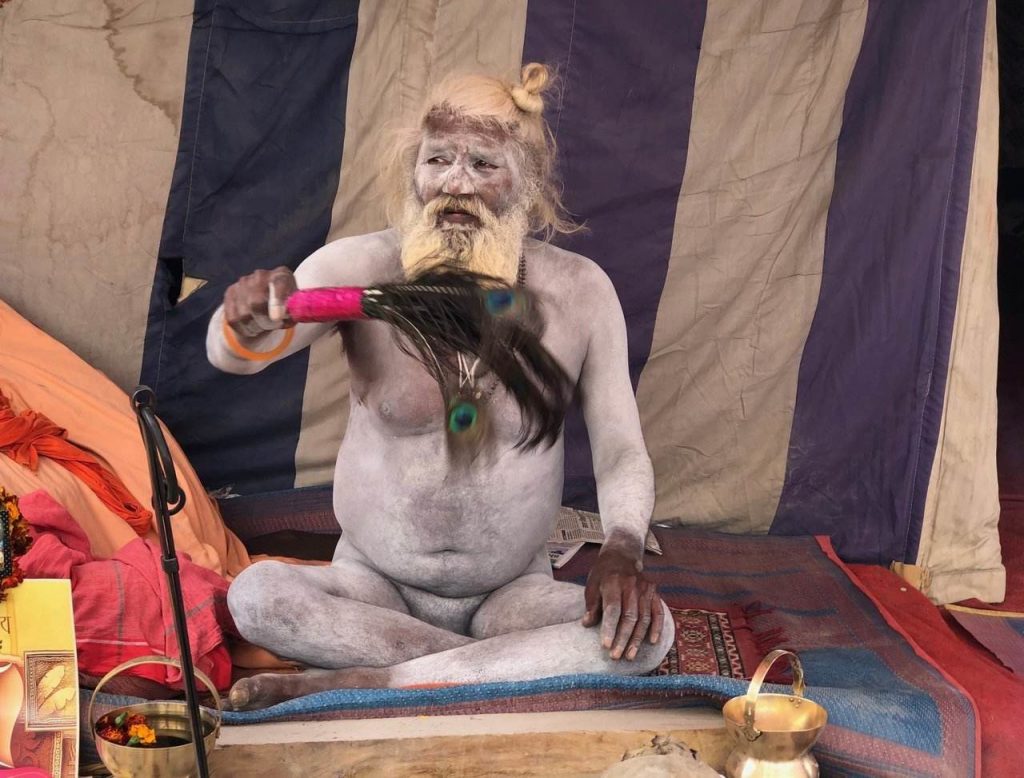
{"x": 38, "y": 679}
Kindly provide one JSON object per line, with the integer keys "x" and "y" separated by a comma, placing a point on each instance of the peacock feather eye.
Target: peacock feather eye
{"x": 499, "y": 301}
{"x": 462, "y": 417}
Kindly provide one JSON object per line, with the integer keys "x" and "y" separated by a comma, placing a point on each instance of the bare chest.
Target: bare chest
{"x": 402, "y": 398}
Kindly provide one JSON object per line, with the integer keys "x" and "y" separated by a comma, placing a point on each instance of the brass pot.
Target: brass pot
{"x": 773, "y": 733}
{"x": 170, "y": 720}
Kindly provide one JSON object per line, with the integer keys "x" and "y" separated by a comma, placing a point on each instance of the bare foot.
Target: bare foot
{"x": 266, "y": 689}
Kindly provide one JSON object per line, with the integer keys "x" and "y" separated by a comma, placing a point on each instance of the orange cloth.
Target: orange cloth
{"x": 40, "y": 373}
{"x": 28, "y": 435}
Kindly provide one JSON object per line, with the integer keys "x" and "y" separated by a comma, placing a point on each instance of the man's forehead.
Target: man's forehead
{"x": 466, "y": 139}
{"x": 445, "y": 118}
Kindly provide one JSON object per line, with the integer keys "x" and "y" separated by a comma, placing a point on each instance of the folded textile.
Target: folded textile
{"x": 28, "y": 435}
{"x": 40, "y": 373}
{"x": 1001, "y": 632}
{"x": 122, "y": 606}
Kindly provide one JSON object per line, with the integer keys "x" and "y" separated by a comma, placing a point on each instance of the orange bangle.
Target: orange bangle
{"x": 254, "y": 356}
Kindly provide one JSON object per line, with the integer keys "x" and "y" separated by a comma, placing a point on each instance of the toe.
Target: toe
{"x": 240, "y": 695}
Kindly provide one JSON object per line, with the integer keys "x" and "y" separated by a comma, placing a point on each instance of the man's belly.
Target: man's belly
{"x": 455, "y": 532}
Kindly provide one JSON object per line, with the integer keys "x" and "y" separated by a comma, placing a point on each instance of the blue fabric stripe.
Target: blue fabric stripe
{"x": 255, "y": 179}
{"x": 622, "y": 123}
{"x": 856, "y": 701}
{"x": 872, "y": 377}
{"x": 717, "y": 688}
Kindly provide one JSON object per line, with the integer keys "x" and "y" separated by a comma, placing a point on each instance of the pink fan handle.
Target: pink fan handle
{"x": 329, "y": 303}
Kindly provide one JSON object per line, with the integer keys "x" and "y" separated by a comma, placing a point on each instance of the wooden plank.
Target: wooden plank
{"x": 549, "y": 744}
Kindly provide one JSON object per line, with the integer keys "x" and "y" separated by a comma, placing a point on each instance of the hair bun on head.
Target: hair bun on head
{"x": 526, "y": 95}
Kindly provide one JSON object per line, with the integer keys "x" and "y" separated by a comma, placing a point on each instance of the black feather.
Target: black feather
{"x": 445, "y": 312}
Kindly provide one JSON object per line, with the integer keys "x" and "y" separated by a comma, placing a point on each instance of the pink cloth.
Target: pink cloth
{"x": 122, "y": 605}
{"x": 337, "y": 303}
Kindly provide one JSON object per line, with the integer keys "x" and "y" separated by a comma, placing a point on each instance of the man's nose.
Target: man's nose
{"x": 458, "y": 182}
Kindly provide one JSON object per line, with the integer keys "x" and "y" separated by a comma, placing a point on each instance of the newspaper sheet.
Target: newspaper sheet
{"x": 575, "y": 528}
{"x": 561, "y": 553}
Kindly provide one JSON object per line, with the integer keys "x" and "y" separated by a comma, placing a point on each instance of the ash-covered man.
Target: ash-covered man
{"x": 441, "y": 573}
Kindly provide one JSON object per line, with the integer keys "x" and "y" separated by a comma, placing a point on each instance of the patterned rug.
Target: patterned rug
{"x": 1001, "y": 632}
{"x": 705, "y": 645}
{"x": 719, "y": 642}
{"x": 890, "y": 711}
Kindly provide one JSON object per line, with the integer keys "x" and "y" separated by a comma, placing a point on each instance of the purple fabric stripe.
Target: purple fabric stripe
{"x": 622, "y": 123}
{"x": 256, "y": 175}
{"x": 872, "y": 378}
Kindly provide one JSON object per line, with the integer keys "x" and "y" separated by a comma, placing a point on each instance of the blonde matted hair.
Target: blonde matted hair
{"x": 492, "y": 106}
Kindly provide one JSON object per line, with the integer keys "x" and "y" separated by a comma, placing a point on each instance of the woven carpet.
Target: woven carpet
{"x": 890, "y": 711}
{"x": 1000, "y": 632}
{"x": 996, "y": 691}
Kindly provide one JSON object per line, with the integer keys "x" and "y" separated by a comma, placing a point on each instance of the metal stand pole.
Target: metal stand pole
{"x": 168, "y": 499}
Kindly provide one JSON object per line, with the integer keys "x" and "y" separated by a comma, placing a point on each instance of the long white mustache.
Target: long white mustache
{"x": 491, "y": 248}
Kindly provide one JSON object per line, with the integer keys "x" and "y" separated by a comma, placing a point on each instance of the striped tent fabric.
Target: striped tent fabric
{"x": 795, "y": 201}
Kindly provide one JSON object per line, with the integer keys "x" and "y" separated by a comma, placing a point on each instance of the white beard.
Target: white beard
{"x": 493, "y": 248}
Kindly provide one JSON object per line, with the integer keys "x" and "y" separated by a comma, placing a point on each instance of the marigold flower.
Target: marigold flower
{"x": 145, "y": 735}
{"x": 14, "y": 541}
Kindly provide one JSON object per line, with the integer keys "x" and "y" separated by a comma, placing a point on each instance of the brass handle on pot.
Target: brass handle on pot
{"x": 156, "y": 660}
{"x": 752, "y": 732}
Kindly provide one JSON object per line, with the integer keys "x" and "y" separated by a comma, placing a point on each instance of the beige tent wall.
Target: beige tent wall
{"x": 718, "y": 392}
{"x": 959, "y": 555}
{"x": 87, "y": 148}
{"x": 401, "y": 47}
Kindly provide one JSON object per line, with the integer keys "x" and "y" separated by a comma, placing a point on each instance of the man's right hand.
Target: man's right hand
{"x": 247, "y": 302}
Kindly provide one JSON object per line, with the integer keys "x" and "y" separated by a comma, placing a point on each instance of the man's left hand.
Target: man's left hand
{"x": 625, "y": 601}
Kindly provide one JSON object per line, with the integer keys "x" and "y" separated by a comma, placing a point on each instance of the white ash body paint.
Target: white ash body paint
{"x": 441, "y": 573}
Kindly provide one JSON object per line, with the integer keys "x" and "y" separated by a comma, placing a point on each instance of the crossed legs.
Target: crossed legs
{"x": 362, "y": 630}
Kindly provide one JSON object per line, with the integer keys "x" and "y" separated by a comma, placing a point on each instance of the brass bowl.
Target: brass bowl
{"x": 773, "y": 733}
{"x": 175, "y": 757}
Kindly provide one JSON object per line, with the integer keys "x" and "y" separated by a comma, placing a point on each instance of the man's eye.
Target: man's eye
{"x": 437, "y": 161}
{"x": 481, "y": 164}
